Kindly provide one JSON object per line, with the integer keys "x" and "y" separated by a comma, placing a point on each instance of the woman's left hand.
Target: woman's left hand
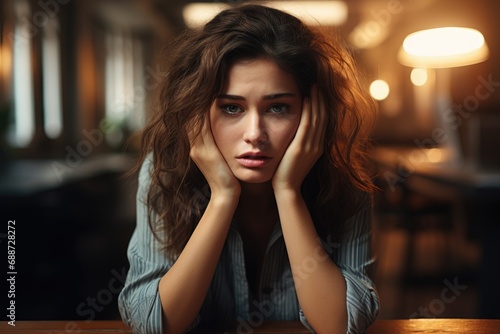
{"x": 305, "y": 148}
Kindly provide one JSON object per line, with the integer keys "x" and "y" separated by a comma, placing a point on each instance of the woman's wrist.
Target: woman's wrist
{"x": 227, "y": 198}
{"x": 287, "y": 194}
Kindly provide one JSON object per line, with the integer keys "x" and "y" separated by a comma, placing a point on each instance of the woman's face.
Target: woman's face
{"x": 255, "y": 118}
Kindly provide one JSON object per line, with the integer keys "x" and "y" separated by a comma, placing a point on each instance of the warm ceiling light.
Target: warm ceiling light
{"x": 325, "y": 13}
{"x": 443, "y": 48}
{"x": 328, "y": 13}
{"x": 379, "y": 90}
{"x": 418, "y": 76}
{"x": 197, "y": 13}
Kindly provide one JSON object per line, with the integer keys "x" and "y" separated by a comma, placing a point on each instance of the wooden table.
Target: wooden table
{"x": 414, "y": 326}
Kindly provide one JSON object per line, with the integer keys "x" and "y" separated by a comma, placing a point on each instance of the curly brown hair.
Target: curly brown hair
{"x": 198, "y": 63}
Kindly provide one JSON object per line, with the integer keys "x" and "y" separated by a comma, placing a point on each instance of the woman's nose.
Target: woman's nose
{"x": 255, "y": 131}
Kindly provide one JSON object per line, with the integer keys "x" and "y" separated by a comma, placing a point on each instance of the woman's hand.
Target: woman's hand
{"x": 183, "y": 288}
{"x": 305, "y": 148}
{"x": 211, "y": 163}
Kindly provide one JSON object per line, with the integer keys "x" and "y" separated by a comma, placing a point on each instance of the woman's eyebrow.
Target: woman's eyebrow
{"x": 230, "y": 97}
{"x": 278, "y": 95}
{"x": 266, "y": 97}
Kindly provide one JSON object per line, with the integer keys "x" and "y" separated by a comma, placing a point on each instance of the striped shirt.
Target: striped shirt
{"x": 229, "y": 298}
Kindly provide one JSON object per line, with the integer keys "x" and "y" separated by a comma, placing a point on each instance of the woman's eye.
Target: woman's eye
{"x": 231, "y": 109}
{"x": 279, "y": 109}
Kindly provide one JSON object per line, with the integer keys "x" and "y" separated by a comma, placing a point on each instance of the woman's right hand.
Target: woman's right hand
{"x": 206, "y": 155}
{"x": 183, "y": 288}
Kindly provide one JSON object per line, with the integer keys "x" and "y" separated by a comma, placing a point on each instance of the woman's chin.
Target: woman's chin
{"x": 254, "y": 178}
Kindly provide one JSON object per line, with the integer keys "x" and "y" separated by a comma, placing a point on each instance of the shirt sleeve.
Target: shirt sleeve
{"x": 139, "y": 302}
{"x": 353, "y": 257}
{"x": 355, "y": 262}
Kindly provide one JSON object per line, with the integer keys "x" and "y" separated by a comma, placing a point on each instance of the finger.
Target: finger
{"x": 302, "y": 130}
{"x": 314, "y": 107}
{"x": 317, "y": 119}
{"x": 323, "y": 121}
{"x": 198, "y": 133}
{"x": 193, "y": 131}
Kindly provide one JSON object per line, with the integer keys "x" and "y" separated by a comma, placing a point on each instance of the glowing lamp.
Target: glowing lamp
{"x": 322, "y": 12}
{"x": 443, "y": 48}
{"x": 379, "y": 90}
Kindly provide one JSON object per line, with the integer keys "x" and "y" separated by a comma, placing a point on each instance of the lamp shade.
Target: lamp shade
{"x": 443, "y": 48}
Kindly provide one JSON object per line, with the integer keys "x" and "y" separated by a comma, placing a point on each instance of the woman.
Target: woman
{"x": 253, "y": 200}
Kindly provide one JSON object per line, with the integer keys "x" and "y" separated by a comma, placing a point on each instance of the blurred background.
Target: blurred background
{"x": 76, "y": 77}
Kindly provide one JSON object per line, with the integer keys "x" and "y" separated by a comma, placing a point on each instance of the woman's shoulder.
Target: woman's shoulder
{"x": 145, "y": 174}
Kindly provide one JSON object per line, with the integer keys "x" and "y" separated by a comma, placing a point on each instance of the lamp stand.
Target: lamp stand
{"x": 444, "y": 111}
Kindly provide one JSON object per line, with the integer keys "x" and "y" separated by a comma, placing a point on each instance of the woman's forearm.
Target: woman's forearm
{"x": 183, "y": 288}
{"x": 320, "y": 286}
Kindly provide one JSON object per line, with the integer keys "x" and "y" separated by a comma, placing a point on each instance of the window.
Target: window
{"x": 26, "y": 27}
{"x": 51, "y": 74}
{"x": 22, "y": 130}
{"x": 125, "y": 91}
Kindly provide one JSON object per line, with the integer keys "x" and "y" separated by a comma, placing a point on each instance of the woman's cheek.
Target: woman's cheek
{"x": 286, "y": 132}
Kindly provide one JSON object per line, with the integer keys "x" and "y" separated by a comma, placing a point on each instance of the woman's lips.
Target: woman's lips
{"x": 253, "y": 161}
